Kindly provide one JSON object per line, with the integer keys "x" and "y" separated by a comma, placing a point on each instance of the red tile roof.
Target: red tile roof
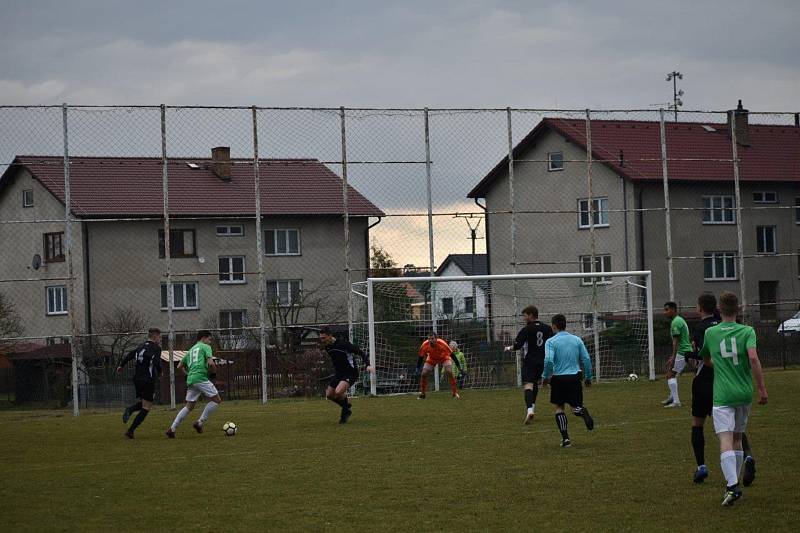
{"x": 127, "y": 186}
{"x": 772, "y": 155}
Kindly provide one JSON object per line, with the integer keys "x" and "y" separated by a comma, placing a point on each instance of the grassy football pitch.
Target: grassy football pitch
{"x": 400, "y": 464}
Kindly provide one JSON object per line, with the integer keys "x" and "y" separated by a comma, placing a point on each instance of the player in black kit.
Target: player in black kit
{"x": 145, "y": 377}
{"x": 341, "y": 354}
{"x": 530, "y": 340}
{"x": 703, "y": 395}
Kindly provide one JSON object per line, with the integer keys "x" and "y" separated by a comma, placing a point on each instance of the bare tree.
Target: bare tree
{"x": 10, "y": 321}
{"x": 122, "y": 329}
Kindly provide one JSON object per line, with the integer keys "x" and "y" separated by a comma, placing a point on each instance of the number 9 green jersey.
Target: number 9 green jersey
{"x": 726, "y": 344}
{"x": 196, "y": 363}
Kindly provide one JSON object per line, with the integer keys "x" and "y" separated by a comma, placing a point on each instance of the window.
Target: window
{"x": 181, "y": 243}
{"x": 54, "y": 247}
{"x": 282, "y": 242}
{"x": 765, "y": 239}
{"x": 284, "y": 293}
{"x": 600, "y": 212}
{"x": 797, "y": 210}
{"x": 184, "y": 294}
{"x": 447, "y": 306}
{"x": 719, "y": 266}
{"x": 602, "y": 263}
{"x": 555, "y": 161}
{"x": 765, "y": 197}
{"x": 469, "y": 304}
{"x": 27, "y": 198}
{"x": 719, "y": 210}
{"x": 57, "y": 300}
{"x": 231, "y": 269}
{"x": 231, "y": 322}
{"x": 230, "y": 231}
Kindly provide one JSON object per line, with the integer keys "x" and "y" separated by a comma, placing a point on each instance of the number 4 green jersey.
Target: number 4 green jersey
{"x": 196, "y": 363}
{"x": 726, "y": 344}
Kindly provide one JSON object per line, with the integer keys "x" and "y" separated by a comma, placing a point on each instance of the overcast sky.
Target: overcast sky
{"x": 569, "y": 54}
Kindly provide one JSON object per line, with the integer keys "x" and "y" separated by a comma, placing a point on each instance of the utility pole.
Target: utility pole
{"x": 674, "y": 76}
{"x": 473, "y": 236}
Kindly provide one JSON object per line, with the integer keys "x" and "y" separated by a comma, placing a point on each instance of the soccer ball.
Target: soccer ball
{"x": 229, "y": 428}
{"x": 633, "y": 377}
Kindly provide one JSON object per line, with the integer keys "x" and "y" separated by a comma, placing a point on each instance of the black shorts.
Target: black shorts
{"x": 145, "y": 389}
{"x": 702, "y": 396}
{"x": 566, "y": 389}
{"x": 338, "y": 378}
{"x": 532, "y": 370}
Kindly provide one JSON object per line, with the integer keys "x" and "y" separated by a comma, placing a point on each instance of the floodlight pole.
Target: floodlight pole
{"x": 73, "y": 345}
{"x": 592, "y": 267}
{"x": 518, "y": 360}
{"x": 432, "y": 262}
{"x": 262, "y": 329}
{"x": 168, "y": 258}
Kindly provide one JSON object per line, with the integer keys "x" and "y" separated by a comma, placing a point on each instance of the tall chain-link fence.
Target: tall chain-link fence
{"x": 255, "y": 223}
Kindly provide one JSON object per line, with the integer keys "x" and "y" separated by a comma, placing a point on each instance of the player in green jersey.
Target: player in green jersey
{"x": 724, "y": 348}
{"x": 199, "y": 366}
{"x": 681, "y": 345}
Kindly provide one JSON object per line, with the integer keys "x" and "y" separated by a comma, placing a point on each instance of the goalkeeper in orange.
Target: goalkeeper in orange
{"x": 435, "y": 351}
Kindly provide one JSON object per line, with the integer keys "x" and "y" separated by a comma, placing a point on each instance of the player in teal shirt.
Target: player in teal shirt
{"x": 681, "y": 345}
{"x": 731, "y": 349}
{"x": 197, "y": 363}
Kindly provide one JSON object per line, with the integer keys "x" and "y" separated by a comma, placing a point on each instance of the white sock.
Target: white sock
{"x": 210, "y": 408}
{"x": 183, "y": 413}
{"x": 739, "y": 461}
{"x": 727, "y": 461}
{"x": 532, "y": 408}
{"x": 672, "y": 383}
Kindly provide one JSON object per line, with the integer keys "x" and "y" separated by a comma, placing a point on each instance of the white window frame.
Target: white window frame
{"x": 284, "y": 285}
{"x": 25, "y": 202}
{"x": 550, "y": 167}
{"x": 181, "y": 286}
{"x": 224, "y": 230}
{"x": 761, "y": 240}
{"x": 600, "y": 212}
{"x": 725, "y": 256}
{"x": 231, "y": 332}
{"x": 60, "y": 304}
{"x": 271, "y": 236}
{"x": 602, "y": 264}
{"x": 231, "y": 272}
{"x": 711, "y": 210}
{"x": 763, "y": 199}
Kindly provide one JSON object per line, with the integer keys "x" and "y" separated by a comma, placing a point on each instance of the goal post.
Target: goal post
{"x": 611, "y": 311}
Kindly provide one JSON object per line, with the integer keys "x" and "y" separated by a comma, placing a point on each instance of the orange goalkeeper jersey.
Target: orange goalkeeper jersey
{"x": 435, "y": 354}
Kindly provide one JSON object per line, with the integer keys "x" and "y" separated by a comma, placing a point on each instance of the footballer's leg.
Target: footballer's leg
{"x": 529, "y": 402}
{"x": 183, "y": 413}
{"x": 561, "y": 423}
{"x": 724, "y": 424}
{"x": 749, "y": 474}
{"x": 341, "y": 395}
{"x": 448, "y": 370}
{"x": 214, "y": 399}
{"x": 670, "y": 375}
{"x": 427, "y": 368}
{"x": 699, "y": 448}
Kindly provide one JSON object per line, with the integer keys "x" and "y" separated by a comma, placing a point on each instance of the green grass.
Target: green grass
{"x": 400, "y": 464}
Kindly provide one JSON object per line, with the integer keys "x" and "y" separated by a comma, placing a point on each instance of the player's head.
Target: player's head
{"x": 432, "y": 338}
{"x": 453, "y": 345}
{"x": 670, "y": 309}
{"x": 706, "y": 303}
{"x": 728, "y": 305}
{"x": 530, "y": 313}
{"x": 559, "y": 322}
{"x": 326, "y": 335}
{"x": 204, "y": 336}
{"x": 154, "y": 334}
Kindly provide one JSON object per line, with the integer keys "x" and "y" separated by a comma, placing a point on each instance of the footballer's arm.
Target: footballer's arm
{"x": 758, "y": 374}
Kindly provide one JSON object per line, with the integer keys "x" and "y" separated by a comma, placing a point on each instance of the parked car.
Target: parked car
{"x": 791, "y": 325}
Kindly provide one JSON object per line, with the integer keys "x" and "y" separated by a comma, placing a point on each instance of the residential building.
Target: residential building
{"x": 461, "y": 299}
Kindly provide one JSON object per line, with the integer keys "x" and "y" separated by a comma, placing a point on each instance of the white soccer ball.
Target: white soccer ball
{"x": 229, "y": 428}
{"x": 633, "y": 377}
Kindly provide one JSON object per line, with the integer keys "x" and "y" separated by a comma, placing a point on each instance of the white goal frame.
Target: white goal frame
{"x": 646, "y": 274}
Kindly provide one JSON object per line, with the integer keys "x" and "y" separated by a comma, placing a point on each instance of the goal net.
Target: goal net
{"x": 610, "y": 311}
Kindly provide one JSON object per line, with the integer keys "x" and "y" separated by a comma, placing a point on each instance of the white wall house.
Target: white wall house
{"x": 461, "y": 299}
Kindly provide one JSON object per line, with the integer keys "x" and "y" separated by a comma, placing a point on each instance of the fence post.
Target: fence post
{"x": 592, "y": 259}
{"x": 260, "y": 261}
{"x": 665, "y": 176}
{"x": 432, "y": 263}
{"x": 512, "y": 209}
{"x": 168, "y": 257}
{"x": 737, "y": 192}
{"x": 74, "y": 351}
{"x": 346, "y": 221}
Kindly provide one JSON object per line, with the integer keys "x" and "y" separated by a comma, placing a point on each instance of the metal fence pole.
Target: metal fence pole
{"x": 432, "y": 263}
{"x": 346, "y": 221}
{"x": 168, "y": 257}
{"x": 373, "y": 379}
{"x": 511, "y": 207}
{"x": 262, "y": 327}
{"x": 650, "y": 337}
{"x": 737, "y": 192}
{"x": 593, "y": 244}
{"x": 74, "y": 350}
{"x": 665, "y": 176}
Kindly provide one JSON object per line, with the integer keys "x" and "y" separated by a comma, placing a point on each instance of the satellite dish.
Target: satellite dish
{"x": 201, "y": 260}
{"x": 36, "y": 262}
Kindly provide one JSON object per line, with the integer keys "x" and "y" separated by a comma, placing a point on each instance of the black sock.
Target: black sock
{"x": 561, "y": 422}
{"x": 139, "y": 419}
{"x": 529, "y": 398}
{"x": 535, "y": 391}
{"x": 699, "y": 445}
{"x": 342, "y": 403}
{"x": 746, "y": 446}
{"x": 135, "y": 407}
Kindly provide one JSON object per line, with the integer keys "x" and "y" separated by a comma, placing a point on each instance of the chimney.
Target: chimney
{"x": 221, "y": 162}
{"x": 742, "y": 132}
